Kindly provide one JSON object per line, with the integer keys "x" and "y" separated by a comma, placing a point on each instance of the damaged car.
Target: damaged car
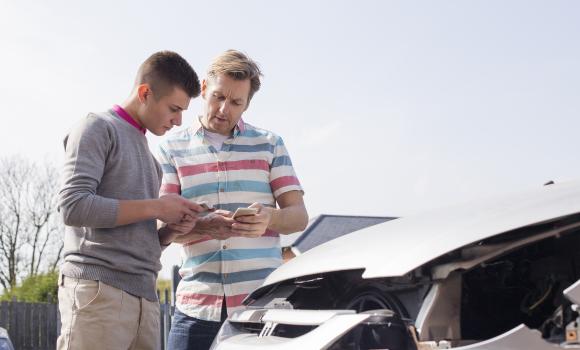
{"x": 495, "y": 274}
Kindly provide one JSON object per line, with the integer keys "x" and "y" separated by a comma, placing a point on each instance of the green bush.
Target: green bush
{"x": 162, "y": 285}
{"x": 40, "y": 288}
{"x": 43, "y": 288}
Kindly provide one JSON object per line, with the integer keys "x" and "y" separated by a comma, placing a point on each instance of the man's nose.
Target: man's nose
{"x": 177, "y": 120}
{"x": 224, "y": 107}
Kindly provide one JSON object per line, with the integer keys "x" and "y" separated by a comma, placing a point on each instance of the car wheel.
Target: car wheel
{"x": 371, "y": 296}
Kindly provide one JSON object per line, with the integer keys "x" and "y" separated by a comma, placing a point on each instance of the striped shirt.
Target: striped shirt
{"x": 251, "y": 166}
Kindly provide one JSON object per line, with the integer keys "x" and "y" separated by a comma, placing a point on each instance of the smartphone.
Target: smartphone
{"x": 205, "y": 205}
{"x": 245, "y": 212}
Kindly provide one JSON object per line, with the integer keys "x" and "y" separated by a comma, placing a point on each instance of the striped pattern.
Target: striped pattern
{"x": 252, "y": 166}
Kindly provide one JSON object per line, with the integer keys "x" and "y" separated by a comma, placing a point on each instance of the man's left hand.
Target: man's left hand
{"x": 253, "y": 226}
{"x": 184, "y": 226}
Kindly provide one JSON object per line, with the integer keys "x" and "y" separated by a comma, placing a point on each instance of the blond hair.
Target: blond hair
{"x": 238, "y": 66}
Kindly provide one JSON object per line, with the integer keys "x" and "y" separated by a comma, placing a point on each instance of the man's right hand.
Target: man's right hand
{"x": 173, "y": 208}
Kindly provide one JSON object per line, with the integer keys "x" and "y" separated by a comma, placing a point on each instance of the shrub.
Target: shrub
{"x": 41, "y": 288}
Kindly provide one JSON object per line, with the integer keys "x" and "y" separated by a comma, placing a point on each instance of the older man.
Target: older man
{"x": 230, "y": 164}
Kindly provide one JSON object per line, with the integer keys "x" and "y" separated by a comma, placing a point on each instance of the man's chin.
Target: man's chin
{"x": 159, "y": 132}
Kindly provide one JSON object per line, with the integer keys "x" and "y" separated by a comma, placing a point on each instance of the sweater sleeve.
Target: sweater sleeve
{"x": 86, "y": 151}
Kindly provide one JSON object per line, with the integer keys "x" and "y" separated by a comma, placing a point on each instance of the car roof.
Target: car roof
{"x": 397, "y": 247}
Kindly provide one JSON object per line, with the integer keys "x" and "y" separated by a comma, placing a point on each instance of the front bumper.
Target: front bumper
{"x": 327, "y": 328}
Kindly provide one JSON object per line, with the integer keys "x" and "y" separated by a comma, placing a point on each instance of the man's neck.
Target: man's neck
{"x": 132, "y": 108}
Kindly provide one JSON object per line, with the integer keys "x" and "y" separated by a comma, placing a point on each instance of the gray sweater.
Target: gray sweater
{"x": 108, "y": 160}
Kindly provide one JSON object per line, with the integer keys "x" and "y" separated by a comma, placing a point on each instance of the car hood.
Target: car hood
{"x": 399, "y": 246}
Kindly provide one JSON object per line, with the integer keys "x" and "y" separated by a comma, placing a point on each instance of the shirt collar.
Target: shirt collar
{"x": 198, "y": 129}
{"x": 121, "y": 112}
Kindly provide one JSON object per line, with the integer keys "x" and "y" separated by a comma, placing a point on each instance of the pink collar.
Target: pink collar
{"x": 123, "y": 114}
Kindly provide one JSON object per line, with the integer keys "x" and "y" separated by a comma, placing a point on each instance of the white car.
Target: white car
{"x": 495, "y": 274}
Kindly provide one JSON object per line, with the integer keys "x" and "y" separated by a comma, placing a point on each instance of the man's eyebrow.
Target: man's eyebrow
{"x": 177, "y": 107}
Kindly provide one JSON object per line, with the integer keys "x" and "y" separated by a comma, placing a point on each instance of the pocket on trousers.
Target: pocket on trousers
{"x": 84, "y": 293}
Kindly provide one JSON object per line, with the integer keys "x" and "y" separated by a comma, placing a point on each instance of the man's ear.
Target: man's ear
{"x": 203, "y": 88}
{"x": 143, "y": 92}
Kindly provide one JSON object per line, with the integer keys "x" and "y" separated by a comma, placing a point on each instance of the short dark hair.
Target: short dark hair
{"x": 165, "y": 70}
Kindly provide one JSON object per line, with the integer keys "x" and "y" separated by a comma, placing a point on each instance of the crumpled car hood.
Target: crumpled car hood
{"x": 399, "y": 246}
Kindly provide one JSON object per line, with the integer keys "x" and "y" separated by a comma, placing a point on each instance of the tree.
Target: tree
{"x": 40, "y": 288}
{"x": 30, "y": 231}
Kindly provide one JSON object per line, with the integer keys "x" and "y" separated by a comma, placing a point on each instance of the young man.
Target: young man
{"x": 229, "y": 164}
{"x": 110, "y": 202}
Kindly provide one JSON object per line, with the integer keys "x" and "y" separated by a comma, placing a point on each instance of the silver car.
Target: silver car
{"x": 495, "y": 274}
{"x": 5, "y": 343}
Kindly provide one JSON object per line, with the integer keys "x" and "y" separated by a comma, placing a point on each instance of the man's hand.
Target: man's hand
{"x": 217, "y": 225}
{"x": 252, "y": 226}
{"x": 183, "y": 227}
{"x": 173, "y": 209}
{"x": 170, "y": 232}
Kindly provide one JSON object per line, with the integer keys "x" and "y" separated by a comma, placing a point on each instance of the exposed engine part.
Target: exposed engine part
{"x": 536, "y": 297}
{"x": 572, "y": 336}
{"x": 525, "y": 286}
{"x": 428, "y": 345}
{"x": 573, "y": 332}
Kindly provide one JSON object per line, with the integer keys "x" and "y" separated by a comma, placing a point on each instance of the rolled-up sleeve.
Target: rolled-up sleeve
{"x": 86, "y": 151}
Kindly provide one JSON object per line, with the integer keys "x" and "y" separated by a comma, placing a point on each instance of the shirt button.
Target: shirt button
{"x": 222, "y": 190}
{"x": 224, "y": 246}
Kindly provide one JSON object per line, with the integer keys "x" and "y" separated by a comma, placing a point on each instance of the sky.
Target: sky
{"x": 386, "y": 107}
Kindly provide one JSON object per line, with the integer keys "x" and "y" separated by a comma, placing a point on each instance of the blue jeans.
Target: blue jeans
{"x": 189, "y": 333}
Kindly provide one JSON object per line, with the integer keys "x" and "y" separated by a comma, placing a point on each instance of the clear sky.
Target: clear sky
{"x": 386, "y": 107}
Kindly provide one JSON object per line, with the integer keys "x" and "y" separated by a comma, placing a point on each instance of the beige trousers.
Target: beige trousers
{"x": 95, "y": 315}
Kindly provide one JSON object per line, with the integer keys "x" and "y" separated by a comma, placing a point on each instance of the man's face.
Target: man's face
{"x": 160, "y": 114}
{"x": 225, "y": 99}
